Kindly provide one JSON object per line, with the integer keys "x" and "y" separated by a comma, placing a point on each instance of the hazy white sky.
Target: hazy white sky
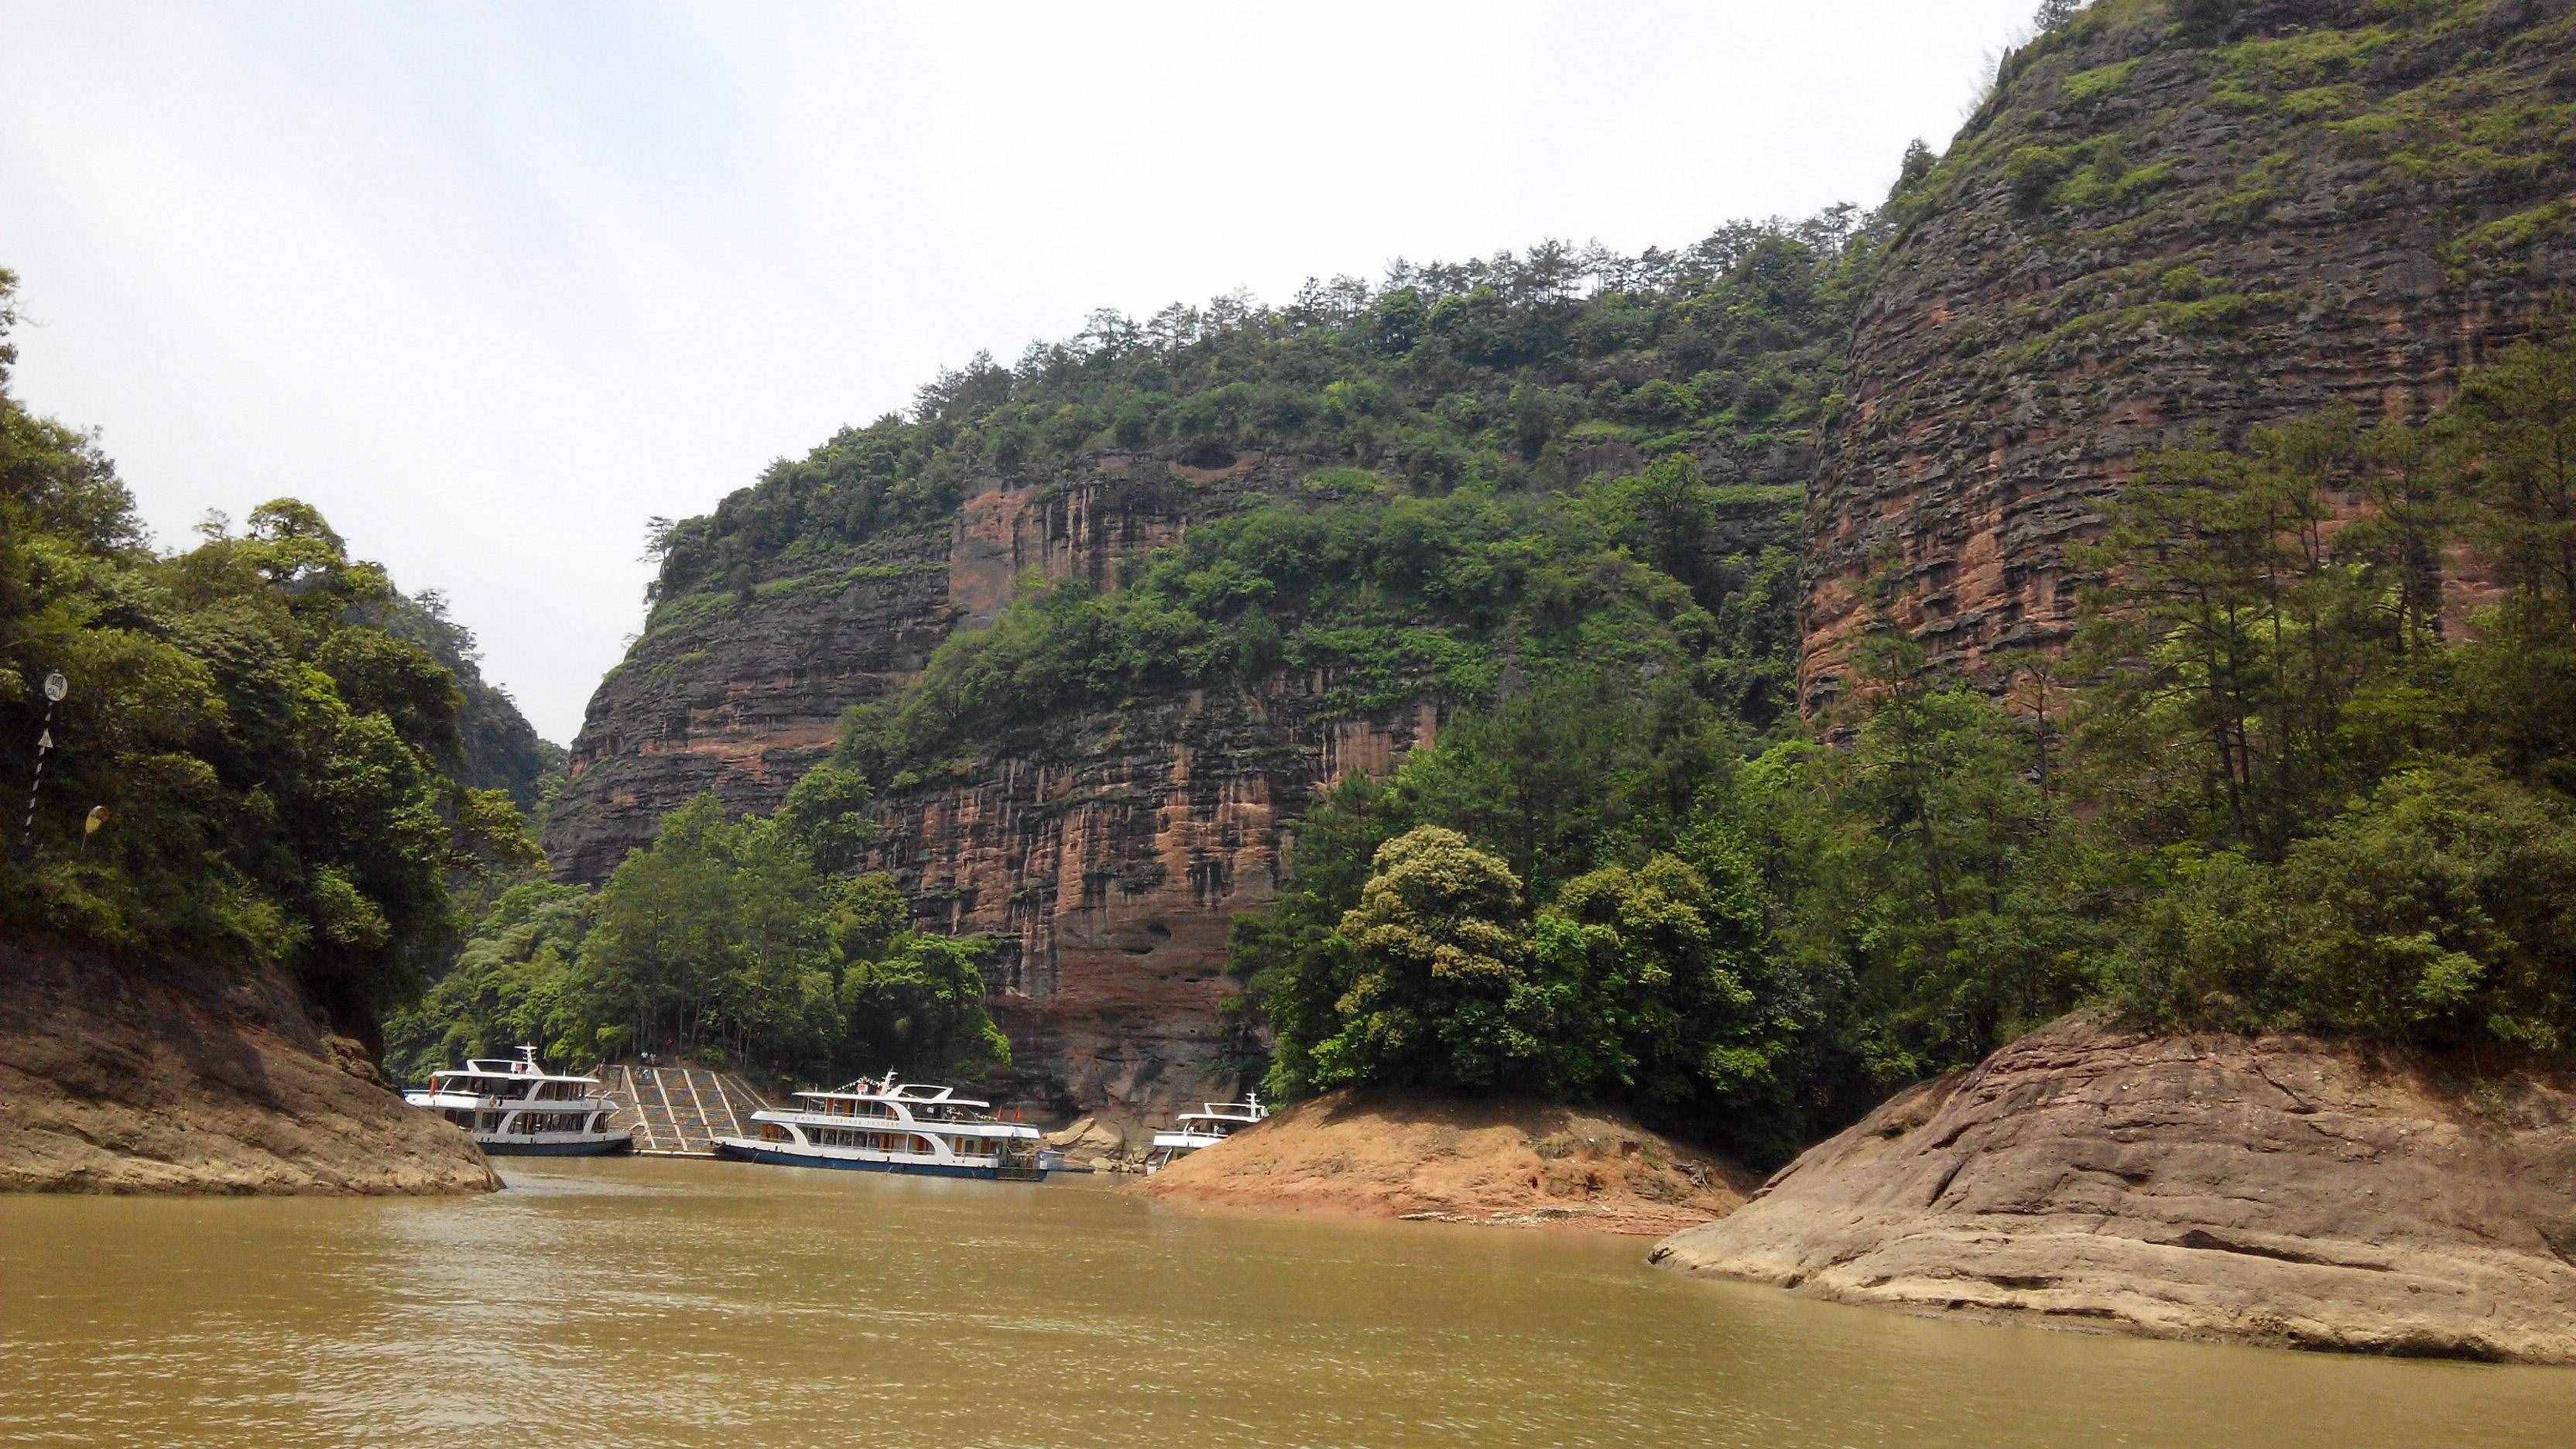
{"x": 491, "y": 285}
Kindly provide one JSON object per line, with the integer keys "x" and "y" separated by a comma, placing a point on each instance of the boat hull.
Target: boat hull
{"x": 602, "y": 1148}
{"x": 742, "y": 1151}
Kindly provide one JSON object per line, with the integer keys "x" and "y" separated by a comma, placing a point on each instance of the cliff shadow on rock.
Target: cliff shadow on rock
{"x": 2279, "y": 1189}
{"x": 120, "y": 1075}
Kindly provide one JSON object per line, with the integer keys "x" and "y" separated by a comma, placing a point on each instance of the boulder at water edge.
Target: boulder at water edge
{"x": 2276, "y": 1189}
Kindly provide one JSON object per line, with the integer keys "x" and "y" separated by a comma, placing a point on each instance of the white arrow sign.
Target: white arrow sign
{"x": 44, "y": 742}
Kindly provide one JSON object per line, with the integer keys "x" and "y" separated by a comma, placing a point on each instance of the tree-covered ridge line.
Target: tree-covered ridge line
{"x": 1488, "y": 372}
{"x": 2275, "y": 786}
{"x": 275, "y": 757}
{"x": 1389, "y": 597}
{"x": 2377, "y": 86}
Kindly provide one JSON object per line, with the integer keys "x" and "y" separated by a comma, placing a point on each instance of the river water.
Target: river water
{"x": 654, "y": 1302}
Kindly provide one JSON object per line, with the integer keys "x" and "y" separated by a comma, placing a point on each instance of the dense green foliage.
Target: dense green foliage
{"x": 276, "y": 771}
{"x": 496, "y": 747}
{"x": 1495, "y": 375}
{"x": 723, "y": 941}
{"x": 2292, "y": 776}
{"x": 1435, "y": 539}
{"x": 1393, "y": 597}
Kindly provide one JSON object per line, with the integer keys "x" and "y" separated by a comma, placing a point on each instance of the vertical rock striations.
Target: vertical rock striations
{"x": 2175, "y": 219}
{"x": 1107, "y": 853}
{"x": 1107, "y": 847}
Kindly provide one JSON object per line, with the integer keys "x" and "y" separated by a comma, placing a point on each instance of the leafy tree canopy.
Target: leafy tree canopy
{"x": 278, "y": 771}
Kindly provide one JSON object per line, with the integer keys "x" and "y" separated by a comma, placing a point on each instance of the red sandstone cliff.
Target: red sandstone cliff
{"x": 1110, "y": 854}
{"x": 2153, "y": 232}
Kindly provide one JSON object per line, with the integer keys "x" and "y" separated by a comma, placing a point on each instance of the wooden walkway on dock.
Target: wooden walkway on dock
{"x": 680, "y": 1111}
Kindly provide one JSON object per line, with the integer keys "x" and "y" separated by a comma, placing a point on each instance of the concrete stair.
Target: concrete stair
{"x": 680, "y": 1111}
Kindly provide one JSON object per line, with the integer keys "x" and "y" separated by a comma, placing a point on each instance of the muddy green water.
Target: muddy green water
{"x": 683, "y": 1303}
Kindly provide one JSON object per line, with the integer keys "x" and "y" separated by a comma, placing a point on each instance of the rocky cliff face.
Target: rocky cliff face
{"x": 1107, "y": 849}
{"x": 1110, "y": 857}
{"x": 127, "y": 1075}
{"x": 740, "y": 692}
{"x": 2279, "y": 1189}
{"x": 1108, "y": 853}
{"x": 2174, "y": 220}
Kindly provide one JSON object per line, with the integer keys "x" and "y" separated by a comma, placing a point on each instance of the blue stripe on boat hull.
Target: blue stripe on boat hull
{"x": 558, "y": 1149}
{"x": 798, "y": 1159}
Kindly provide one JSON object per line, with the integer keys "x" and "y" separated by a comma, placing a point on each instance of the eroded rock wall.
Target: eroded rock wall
{"x": 127, "y": 1075}
{"x": 2277, "y": 1189}
{"x": 741, "y": 691}
{"x": 2152, "y": 234}
{"x": 1110, "y": 856}
{"x": 1108, "y": 852}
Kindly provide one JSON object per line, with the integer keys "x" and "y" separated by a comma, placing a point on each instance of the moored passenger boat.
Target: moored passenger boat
{"x": 1212, "y": 1124}
{"x": 892, "y": 1126}
{"x": 519, "y": 1108}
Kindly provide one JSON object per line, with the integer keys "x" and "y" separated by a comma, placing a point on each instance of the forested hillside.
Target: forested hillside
{"x": 1428, "y": 647}
{"x": 2286, "y": 779}
{"x": 832, "y": 580}
{"x": 280, "y": 780}
{"x": 496, "y": 747}
{"x": 1109, "y": 616}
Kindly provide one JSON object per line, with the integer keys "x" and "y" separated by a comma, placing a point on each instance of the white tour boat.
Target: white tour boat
{"x": 519, "y": 1107}
{"x": 1212, "y": 1124}
{"x": 892, "y": 1126}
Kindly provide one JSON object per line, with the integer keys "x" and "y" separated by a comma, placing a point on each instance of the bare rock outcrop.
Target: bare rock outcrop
{"x": 2276, "y": 1189}
{"x": 125, "y": 1076}
{"x": 1506, "y": 1163}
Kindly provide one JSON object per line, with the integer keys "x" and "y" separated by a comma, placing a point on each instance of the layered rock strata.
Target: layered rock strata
{"x": 1109, "y": 857}
{"x": 740, "y": 692}
{"x": 1107, "y": 850}
{"x": 2278, "y": 1189}
{"x": 123, "y": 1076}
{"x": 2160, "y": 229}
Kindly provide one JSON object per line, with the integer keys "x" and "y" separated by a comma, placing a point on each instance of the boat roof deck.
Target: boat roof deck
{"x": 509, "y": 1071}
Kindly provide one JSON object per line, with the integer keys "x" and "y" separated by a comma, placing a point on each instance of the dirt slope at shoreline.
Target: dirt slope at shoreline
{"x": 1510, "y": 1163}
{"x": 122, "y": 1076}
{"x": 2277, "y": 1189}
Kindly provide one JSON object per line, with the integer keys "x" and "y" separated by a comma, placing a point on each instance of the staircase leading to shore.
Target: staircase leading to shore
{"x": 680, "y": 1111}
